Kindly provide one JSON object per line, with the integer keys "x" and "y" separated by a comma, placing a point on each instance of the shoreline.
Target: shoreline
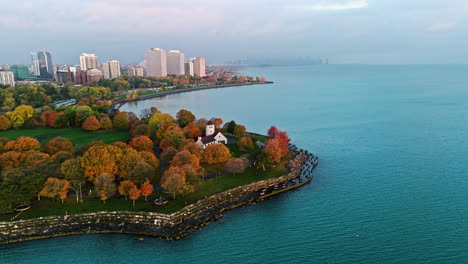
{"x": 120, "y": 102}
{"x": 172, "y": 226}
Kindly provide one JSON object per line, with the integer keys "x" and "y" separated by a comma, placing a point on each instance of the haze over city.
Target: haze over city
{"x": 344, "y": 31}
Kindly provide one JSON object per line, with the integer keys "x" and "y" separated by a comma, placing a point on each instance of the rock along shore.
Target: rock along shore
{"x": 165, "y": 226}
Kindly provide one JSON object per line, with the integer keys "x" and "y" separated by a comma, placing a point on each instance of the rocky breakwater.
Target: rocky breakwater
{"x": 166, "y": 226}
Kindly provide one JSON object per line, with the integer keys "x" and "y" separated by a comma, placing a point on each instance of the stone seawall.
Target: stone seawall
{"x": 166, "y": 226}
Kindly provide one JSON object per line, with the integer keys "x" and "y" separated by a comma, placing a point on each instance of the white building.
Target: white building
{"x": 189, "y": 68}
{"x": 175, "y": 63}
{"x": 211, "y": 136}
{"x": 7, "y": 78}
{"x": 88, "y": 61}
{"x": 199, "y": 67}
{"x": 111, "y": 69}
{"x": 140, "y": 71}
{"x": 156, "y": 65}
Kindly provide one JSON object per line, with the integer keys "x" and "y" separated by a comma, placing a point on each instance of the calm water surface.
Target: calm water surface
{"x": 391, "y": 186}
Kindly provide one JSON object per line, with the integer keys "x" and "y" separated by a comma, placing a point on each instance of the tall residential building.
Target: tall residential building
{"x": 64, "y": 76}
{"x": 199, "y": 67}
{"x": 189, "y": 68}
{"x": 20, "y": 71}
{"x": 175, "y": 63}
{"x": 111, "y": 69}
{"x": 80, "y": 77}
{"x": 131, "y": 71}
{"x": 88, "y": 61}
{"x": 94, "y": 75}
{"x": 140, "y": 71}
{"x": 156, "y": 62}
{"x": 7, "y": 78}
{"x": 45, "y": 64}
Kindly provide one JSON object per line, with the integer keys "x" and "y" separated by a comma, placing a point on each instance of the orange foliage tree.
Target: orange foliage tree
{"x": 173, "y": 181}
{"x": 192, "y": 147}
{"x": 185, "y": 157}
{"x": 91, "y": 124}
{"x": 216, "y": 154}
{"x": 193, "y": 130}
{"x": 240, "y": 131}
{"x": 105, "y": 186}
{"x": 273, "y": 150}
{"x": 23, "y": 144}
{"x": 141, "y": 143}
{"x": 124, "y": 188}
{"x": 5, "y": 123}
{"x": 105, "y": 123}
{"x": 184, "y": 117}
{"x": 121, "y": 120}
{"x": 55, "y": 188}
{"x": 246, "y": 144}
{"x": 149, "y": 158}
{"x": 134, "y": 193}
{"x": 58, "y": 144}
{"x": 170, "y": 135}
{"x": 99, "y": 159}
{"x": 28, "y": 159}
{"x": 146, "y": 189}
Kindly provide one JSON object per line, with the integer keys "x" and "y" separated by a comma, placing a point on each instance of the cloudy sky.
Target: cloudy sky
{"x": 345, "y": 31}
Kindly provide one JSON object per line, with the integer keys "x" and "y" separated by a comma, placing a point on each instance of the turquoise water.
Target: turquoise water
{"x": 391, "y": 186}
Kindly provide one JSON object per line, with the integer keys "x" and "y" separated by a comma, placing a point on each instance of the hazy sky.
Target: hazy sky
{"x": 345, "y": 31}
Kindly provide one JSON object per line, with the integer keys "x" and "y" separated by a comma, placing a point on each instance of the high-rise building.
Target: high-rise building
{"x": 94, "y": 75}
{"x": 80, "y": 77}
{"x": 45, "y": 64}
{"x": 156, "y": 62}
{"x": 131, "y": 71}
{"x": 7, "y": 78}
{"x": 199, "y": 67}
{"x": 111, "y": 69}
{"x": 20, "y": 71}
{"x": 175, "y": 63}
{"x": 140, "y": 71}
{"x": 64, "y": 76}
{"x": 88, "y": 61}
{"x": 189, "y": 68}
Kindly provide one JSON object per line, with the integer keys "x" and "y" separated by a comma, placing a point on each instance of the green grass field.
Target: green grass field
{"x": 77, "y": 135}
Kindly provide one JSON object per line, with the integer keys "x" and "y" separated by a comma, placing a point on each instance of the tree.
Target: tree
{"x": 146, "y": 189}
{"x": 20, "y": 115}
{"x": 10, "y": 197}
{"x": 149, "y": 158}
{"x": 237, "y": 165}
{"x": 55, "y": 188}
{"x": 193, "y": 130}
{"x": 217, "y": 121}
{"x": 185, "y": 157}
{"x": 141, "y": 130}
{"x": 91, "y": 124}
{"x": 121, "y": 120}
{"x": 105, "y": 123}
{"x": 216, "y": 154}
{"x": 124, "y": 188}
{"x": 159, "y": 119}
{"x": 58, "y": 144}
{"x": 29, "y": 183}
{"x": 99, "y": 159}
{"x": 105, "y": 186}
{"x": 3, "y": 142}
{"x": 73, "y": 173}
{"x": 170, "y": 135}
{"x": 240, "y": 131}
{"x": 61, "y": 156}
{"x": 173, "y": 181}
{"x": 273, "y": 150}
{"x": 273, "y": 131}
{"x": 168, "y": 154}
{"x": 23, "y": 144}
{"x": 5, "y": 123}
{"x": 184, "y": 117}
{"x": 141, "y": 172}
{"x": 246, "y": 144}
{"x": 230, "y": 126}
{"x": 142, "y": 143}
{"x": 192, "y": 147}
{"x": 134, "y": 193}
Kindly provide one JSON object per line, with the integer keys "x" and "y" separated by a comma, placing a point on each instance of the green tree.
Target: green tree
{"x": 74, "y": 173}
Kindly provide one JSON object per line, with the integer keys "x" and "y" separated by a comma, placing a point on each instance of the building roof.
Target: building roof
{"x": 211, "y": 123}
{"x": 208, "y": 139}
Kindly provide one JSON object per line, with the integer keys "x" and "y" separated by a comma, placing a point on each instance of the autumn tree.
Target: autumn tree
{"x": 217, "y": 121}
{"x": 159, "y": 119}
{"x": 23, "y": 144}
{"x": 91, "y": 124}
{"x": 168, "y": 154}
{"x": 146, "y": 189}
{"x": 216, "y": 154}
{"x": 55, "y": 188}
{"x": 185, "y": 157}
{"x": 170, "y": 135}
{"x": 124, "y": 188}
{"x": 184, "y": 117}
{"x": 237, "y": 165}
{"x": 61, "y": 156}
{"x": 105, "y": 123}
{"x": 3, "y": 142}
{"x": 141, "y": 130}
{"x": 142, "y": 143}
{"x": 149, "y": 158}
{"x": 141, "y": 172}
{"x": 121, "y": 120}
{"x": 173, "y": 181}
{"x": 5, "y": 123}
{"x": 193, "y": 130}
{"x": 273, "y": 131}
{"x": 240, "y": 131}
{"x": 134, "y": 193}
{"x": 105, "y": 186}
{"x": 99, "y": 159}
{"x": 72, "y": 171}
{"x": 20, "y": 115}
{"x": 192, "y": 147}
{"x": 58, "y": 144}
{"x": 246, "y": 144}
{"x": 28, "y": 159}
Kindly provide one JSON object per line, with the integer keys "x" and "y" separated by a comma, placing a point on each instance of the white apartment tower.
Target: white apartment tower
{"x": 88, "y": 61}
{"x": 156, "y": 65}
{"x": 199, "y": 67}
{"x": 7, "y": 78}
{"x": 175, "y": 63}
{"x": 111, "y": 69}
{"x": 189, "y": 68}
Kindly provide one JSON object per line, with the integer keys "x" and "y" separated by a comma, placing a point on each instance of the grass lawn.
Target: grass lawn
{"x": 47, "y": 207}
{"x": 77, "y": 135}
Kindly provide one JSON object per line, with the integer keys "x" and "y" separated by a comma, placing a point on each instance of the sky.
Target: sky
{"x": 344, "y": 31}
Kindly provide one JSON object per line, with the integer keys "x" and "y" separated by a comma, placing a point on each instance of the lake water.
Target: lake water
{"x": 391, "y": 186}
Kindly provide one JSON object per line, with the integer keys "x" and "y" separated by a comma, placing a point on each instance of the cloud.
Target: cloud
{"x": 335, "y": 6}
{"x": 442, "y": 26}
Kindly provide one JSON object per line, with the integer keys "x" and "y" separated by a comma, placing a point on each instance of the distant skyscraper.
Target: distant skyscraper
{"x": 20, "y": 71}
{"x": 199, "y": 67}
{"x": 7, "y": 78}
{"x": 111, "y": 69}
{"x": 156, "y": 62}
{"x": 88, "y": 61}
{"x": 64, "y": 76}
{"x": 94, "y": 75}
{"x": 175, "y": 63}
{"x": 140, "y": 71}
{"x": 189, "y": 68}
{"x": 131, "y": 71}
{"x": 45, "y": 64}
{"x": 80, "y": 77}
